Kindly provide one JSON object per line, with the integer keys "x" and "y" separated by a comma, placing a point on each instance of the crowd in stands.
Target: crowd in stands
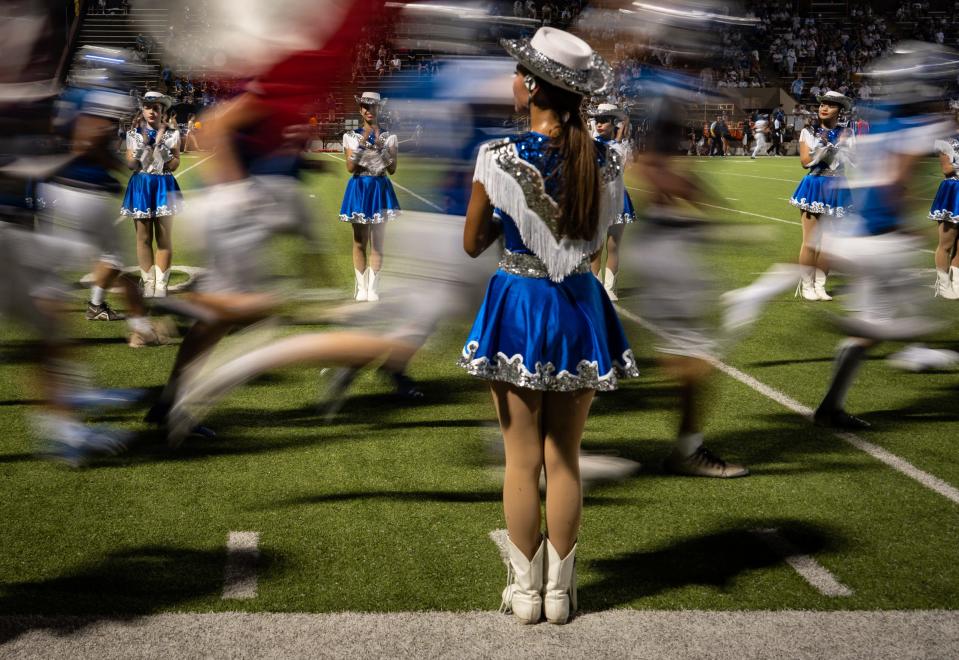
{"x": 556, "y": 14}
{"x": 109, "y": 7}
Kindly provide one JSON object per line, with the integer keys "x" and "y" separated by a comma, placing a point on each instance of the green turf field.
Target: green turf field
{"x": 389, "y": 508}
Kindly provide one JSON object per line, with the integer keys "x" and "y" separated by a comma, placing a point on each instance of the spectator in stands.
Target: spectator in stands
{"x": 395, "y": 63}
{"x": 518, "y": 9}
{"x": 797, "y": 87}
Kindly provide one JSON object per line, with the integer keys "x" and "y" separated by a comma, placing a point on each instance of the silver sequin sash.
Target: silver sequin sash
{"x": 529, "y": 265}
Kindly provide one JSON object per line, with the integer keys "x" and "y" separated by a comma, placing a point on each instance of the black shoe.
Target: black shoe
{"x": 157, "y": 414}
{"x": 838, "y": 419}
{"x": 103, "y": 312}
{"x": 406, "y": 387}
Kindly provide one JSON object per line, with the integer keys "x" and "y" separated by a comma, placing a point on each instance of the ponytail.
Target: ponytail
{"x": 580, "y": 182}
{"x": 580, "y": 198}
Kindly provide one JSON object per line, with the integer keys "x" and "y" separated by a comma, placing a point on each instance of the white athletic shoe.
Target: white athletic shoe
{"x": 916, "y": 358}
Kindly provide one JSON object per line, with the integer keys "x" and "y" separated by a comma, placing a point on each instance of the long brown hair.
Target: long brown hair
{"x": 579, "y": 186}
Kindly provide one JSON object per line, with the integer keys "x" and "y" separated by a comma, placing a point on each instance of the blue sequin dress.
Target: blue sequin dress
{"x": 546, "y": 323}
{"x": 824, "y": 189}
{"x": 945, "y": 205}
{"x": 152, "y": 191}
{"x": 369, "y": 198}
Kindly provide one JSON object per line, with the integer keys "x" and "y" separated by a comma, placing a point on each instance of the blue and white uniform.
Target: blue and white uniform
{"x": 152, "y": 191}
{"x": 880, "y": 258}
{"x": 824, "y": 190}
{"x": 945, "y": 206}
{"x": 629, "y": 214}
{"x": 545, "y": 323}
{"x": 369, "y": 197}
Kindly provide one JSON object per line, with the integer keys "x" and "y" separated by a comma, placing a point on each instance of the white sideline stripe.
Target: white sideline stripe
{"x": 898, "y": 464}
{"x": 817, "y": 575}
{"x": 199, "y": 162}
{"x": 756, "y": 176}
{"x": 401, "y": 187}
{"x": 620, "y": 633}
{"x": 239, "y": 576}
{"x": 756, "y": 215}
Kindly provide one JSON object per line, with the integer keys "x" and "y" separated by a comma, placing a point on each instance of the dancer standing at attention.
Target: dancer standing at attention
{"x": 546, "y": 336}
{"x": 825, "y": 151}
{"x": 153, "y": 196}
{"x": 608, "y": 132}
{"x": 945, "y": 212}
{"x": 369, "y": 202}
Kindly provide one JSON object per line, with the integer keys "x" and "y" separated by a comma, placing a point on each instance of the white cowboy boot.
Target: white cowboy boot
{"x": 819, "y": 284}
{"x": 162, "y": 281}
{"x": 609, "y": 283}
{"x": 360, "y": 295}
{"x": 807, "y": 283}
{"x": 522, "y": 595}
{"x": 372, "y": 285}
{"x": 944, "y": 288}
{"x": 559, "y": 593}
{"x": 148, "y": 281}
{"x": 955, "y": 282}
{"x": 599, "y": 278}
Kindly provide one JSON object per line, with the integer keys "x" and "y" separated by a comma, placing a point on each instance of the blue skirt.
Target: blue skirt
{"x": 369, "y": 200}
{"x": 152, "y": 196}
{"x": 629, "y": 213}
{"x": 945, "y": 207}
{"x": 822, "y": 195}
{"x": 543, "y": 335}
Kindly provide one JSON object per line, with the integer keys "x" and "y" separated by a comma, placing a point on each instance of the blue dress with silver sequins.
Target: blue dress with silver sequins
{"x": 538, "y": 333}
{"x": 945, "y": 206}
{"x": 822, "y": 191}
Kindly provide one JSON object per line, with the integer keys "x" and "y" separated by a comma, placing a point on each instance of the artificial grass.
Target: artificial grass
{"x": 388, "y": 507}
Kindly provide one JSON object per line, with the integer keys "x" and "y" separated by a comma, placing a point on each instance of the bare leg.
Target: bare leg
{"x": 361, "y": 238}
{"x": 564, "y": 417}
{"x": 946, "y": 250}
{"x": 144, "y": 244}
{"x": 163, "y": 229}
{"x": 810, "y": 240}
{"x": 596, "y": 262}
{"x": 377, "y": 241}
{"x": 613, "y": 238}
{"x": 520, "y": 419}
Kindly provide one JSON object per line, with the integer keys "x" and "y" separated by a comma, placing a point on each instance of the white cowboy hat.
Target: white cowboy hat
{"x": 562, "y": 59}
{"x": 607, "y": 109}
{"x": 156, "y": 97}
{"x": 369, "y": 98}
{"x": 836, "y": 99}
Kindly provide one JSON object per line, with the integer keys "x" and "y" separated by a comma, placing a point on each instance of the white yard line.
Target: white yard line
{"x": 897, "y": 463}
{"x": 755, "y": 215}
{"x": 817, "y": 575}
{"x": 401, "y": 187}
{"x": 199, "y": 162}
{"x": 239, "y": 576}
